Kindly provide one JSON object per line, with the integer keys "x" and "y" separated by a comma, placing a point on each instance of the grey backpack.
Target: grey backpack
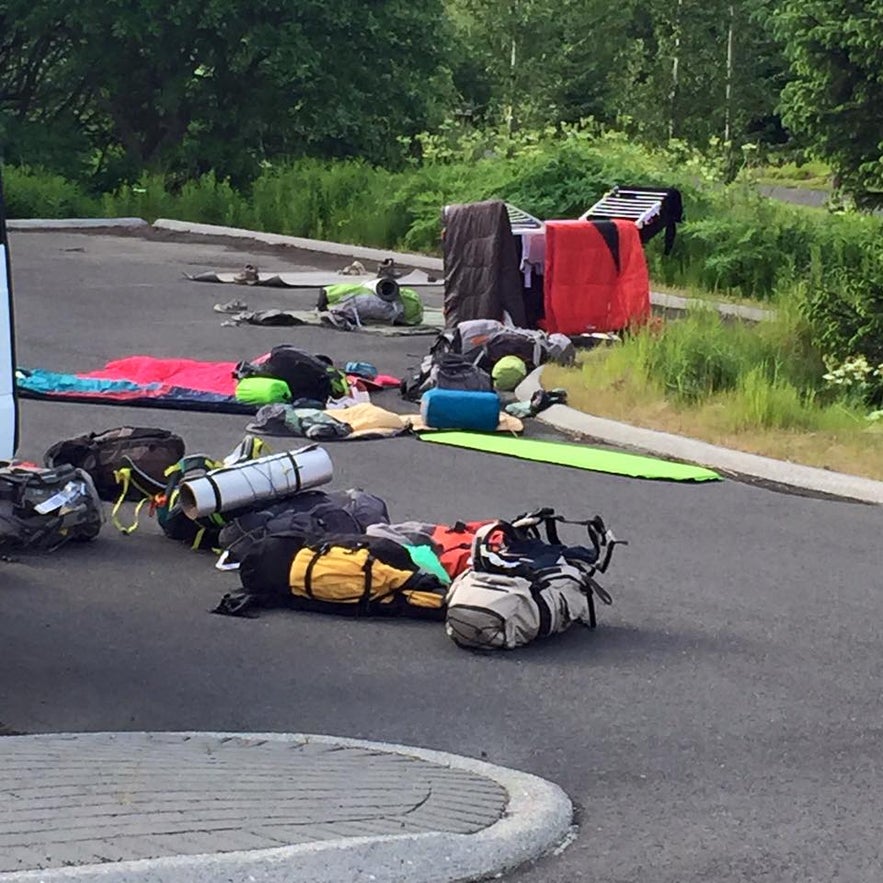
{"x": 520, "y": 588}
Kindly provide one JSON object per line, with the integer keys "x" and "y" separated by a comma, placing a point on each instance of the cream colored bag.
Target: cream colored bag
{"x": 489, "y": 608}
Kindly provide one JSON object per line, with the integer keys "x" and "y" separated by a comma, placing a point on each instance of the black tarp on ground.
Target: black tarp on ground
{"x": 481, "y": 260}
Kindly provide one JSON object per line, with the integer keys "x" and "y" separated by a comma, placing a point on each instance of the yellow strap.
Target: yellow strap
{"x": 124, "y": 477}
{"x": 199, "y": 535}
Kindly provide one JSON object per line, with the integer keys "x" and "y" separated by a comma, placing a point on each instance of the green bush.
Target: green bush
{"x": 205, "y": 200}
{"x": 210, "y": 200}
{"x": 148, "y": 199}
{"x": 423, "y": 192}
{"x": 844, "y": 312}
{"x": 344, "y": 201}
{"x": 36, "y": 193}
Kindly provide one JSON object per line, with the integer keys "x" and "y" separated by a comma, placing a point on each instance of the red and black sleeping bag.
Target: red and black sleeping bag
{"x": 595, "y": 277}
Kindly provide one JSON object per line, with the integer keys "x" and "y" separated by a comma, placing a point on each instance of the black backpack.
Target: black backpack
{"x": 446, "y": 370}
{"x": 241, "y": 534}
{"x": 352, "y": 575}
{"x": 422, "y": 379}
{"x": 453, "y": 371}
{"x": 307, "y": 376}
{"x": 339, "y": 512}
{"x": 265, "y": 566}
{"x": 102, "y": 454}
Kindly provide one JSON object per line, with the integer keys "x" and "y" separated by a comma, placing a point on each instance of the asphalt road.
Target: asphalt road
{"x": 723, "y": 723}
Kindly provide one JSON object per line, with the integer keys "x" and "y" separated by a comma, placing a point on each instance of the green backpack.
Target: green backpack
{"x": 413, "y": 306}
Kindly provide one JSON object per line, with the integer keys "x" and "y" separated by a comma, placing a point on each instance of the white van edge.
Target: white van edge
{"x": 9, "y": 423}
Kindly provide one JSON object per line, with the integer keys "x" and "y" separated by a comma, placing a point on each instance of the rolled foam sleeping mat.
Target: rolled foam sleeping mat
{"x": 384, "y": 287}
{"x": 256, "y": 481}
{"x": 460, "y": 409}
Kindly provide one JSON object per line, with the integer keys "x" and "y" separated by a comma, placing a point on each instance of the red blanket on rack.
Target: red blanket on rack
{"x": 595, "y": 276}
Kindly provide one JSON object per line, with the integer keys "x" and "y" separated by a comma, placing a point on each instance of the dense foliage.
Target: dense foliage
{"x": 836, "y": 90}
{"x": 103, "y": 90}
{"x": 188, "y": 87}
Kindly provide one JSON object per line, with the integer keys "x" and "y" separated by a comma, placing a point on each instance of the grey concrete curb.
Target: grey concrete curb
{"x": 538, "y": 817}
{"x": 682, "y": 304}
{"x": 419, "y": 261}
{"x": 658, "y": 299}
{"x": 73, "y": 223}
{"x": 738, "y": 463}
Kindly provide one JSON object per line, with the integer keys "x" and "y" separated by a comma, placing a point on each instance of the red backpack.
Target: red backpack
{"x": 455, "y": 541}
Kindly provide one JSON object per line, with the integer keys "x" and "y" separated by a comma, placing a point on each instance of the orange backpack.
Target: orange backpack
{"x": 455, "y": 542}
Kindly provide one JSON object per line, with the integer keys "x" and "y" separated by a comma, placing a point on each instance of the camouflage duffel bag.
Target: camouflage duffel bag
{"x": 42, "y": 509}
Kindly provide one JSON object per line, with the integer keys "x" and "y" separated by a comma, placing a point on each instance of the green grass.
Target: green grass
{"x": 36, "y": 193}
{"x": 812, "y": 175}
{"x": 750, "y": 387}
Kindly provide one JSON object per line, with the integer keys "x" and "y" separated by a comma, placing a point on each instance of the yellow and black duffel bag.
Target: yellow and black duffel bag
{"x": 343, "y": 574}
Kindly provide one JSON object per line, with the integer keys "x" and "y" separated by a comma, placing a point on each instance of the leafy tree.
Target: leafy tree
{"x": 193, "y": 85}
{"x": 41, "y": 105}
{"x": 208, "y": 81}
{"x": 699, "y": 71}
{"x": 502, "y": 46}
{"x": 836, "y": 91}
{"x": 689, "y": 69}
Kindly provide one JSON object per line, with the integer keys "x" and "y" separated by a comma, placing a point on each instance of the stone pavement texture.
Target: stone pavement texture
{"x": 203, "y": 806}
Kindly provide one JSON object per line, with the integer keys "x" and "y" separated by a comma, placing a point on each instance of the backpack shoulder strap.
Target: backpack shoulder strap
{"x": 600, "y": 536}
{"x": 481, "y": 551}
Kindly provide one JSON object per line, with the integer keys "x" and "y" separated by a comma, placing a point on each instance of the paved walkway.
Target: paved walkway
{"x": 202, "y": 806}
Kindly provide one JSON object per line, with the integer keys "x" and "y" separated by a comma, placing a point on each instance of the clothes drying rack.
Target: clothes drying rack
{"x": 640, "y": 206}
{"x": 521, "y": 221}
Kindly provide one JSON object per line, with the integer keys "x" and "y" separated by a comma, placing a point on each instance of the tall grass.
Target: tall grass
{"x": 759, "y": 375}
{"x": 755, "y": 387}
{"x": 206, "y": 200}
{"x": 347, "y": 201}
{"x": 762, "y": 399}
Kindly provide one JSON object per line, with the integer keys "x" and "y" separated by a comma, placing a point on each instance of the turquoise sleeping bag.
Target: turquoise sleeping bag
{"x": 460, "y": 409}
